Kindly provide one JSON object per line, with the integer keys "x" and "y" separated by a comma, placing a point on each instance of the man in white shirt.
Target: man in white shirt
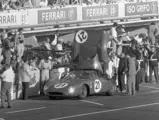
{"x": 114, "y": 35}
{"x": 7, "y": 80}
{"x": 45, "y": 67}
{"x": 109, "y": 71}
{"x": 111, "y": 65}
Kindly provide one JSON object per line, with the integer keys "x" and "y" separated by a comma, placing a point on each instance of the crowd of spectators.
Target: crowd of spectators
{"x": 24, "y": 4}
{"x": 133, "y": 59}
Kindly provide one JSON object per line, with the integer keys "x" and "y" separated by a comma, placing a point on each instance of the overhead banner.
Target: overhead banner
{"x": 13, "y": 18}
{"x": 141, "y": 8}
{"x": 100, "y": 11}
{"x": 57, "y": 15}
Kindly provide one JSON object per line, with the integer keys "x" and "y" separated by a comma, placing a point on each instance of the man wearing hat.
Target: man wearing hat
{"x": 7, "y": 47}
{"x": 153, "y": 64}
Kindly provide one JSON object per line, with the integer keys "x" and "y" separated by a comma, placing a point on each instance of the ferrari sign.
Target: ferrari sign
{"x": 57, "y": 15}
{"x": 102, "y": 11}
{"x": 13, "y": 18}
{"x": 141, "y": 8}
{"x": 97, "y": 86}
{"x": 81, "y": 36}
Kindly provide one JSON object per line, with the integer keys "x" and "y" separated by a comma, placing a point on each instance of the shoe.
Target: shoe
{"x": 2, "y": 107}
{"x": 129, "y": 94}
{"x": 124, "y": 91}
{"x": 9, "y": 107}
{"x": 150, "y": 81}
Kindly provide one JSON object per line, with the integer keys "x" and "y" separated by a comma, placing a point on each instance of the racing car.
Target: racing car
{"x": 80, "y": 84}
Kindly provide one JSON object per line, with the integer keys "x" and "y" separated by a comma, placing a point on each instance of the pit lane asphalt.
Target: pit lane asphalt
{"x": 145, "y": 105}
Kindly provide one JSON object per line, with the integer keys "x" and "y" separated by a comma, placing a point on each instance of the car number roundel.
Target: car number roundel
{"x": 60, "y": 85}
{"x": 97, "y": 85}
{"x": 81, "y": 36}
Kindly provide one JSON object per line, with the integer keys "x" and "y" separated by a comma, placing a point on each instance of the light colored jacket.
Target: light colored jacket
{"x": 26, "y": 73}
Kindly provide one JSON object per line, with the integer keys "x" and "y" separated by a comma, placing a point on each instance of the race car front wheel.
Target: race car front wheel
{"x": 83, "y": 92}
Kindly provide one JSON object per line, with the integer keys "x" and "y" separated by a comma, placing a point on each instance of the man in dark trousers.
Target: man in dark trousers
{"x": 146, "y": 59}
{"x": 153, "y": 64}
{"x": 122, "y": 72}
{"x": 7, "y": 49}
{"x": 139, "y": 76}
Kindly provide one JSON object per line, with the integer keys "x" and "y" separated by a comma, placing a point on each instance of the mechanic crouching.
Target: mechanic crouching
{"x": 45, "y": 67}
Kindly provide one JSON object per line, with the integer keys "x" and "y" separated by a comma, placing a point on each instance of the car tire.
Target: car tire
{"x": 111, "y": 91}
{"x": 83, "y": 92}
{"x": 52, "y": 98}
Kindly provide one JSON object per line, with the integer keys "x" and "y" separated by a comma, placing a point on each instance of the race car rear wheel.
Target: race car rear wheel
{"x": 111, "y": 91}
{"x": 84, "y": 92}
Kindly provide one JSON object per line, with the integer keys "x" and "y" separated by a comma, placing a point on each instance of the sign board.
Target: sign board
{"x": 57, "y": 15}
{"x": 142, "y": 8}
{"x": 101, "y": 11}
{"x": 13, "y": 18}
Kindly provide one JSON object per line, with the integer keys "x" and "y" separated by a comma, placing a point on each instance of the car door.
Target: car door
{"x": 106, "y": 82}
{"x": 97, "y": 83}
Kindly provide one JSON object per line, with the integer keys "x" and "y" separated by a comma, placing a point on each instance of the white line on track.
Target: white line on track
{"x": 91, "y": 102}
{"x": 26, "y": 110}
{"x": 154, "y": 91}
{"x": 150, "y": 87}
{"x": 106, "y": 111}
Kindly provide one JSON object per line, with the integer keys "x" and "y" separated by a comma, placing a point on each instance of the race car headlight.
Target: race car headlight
{"x": 71, "y": 90}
